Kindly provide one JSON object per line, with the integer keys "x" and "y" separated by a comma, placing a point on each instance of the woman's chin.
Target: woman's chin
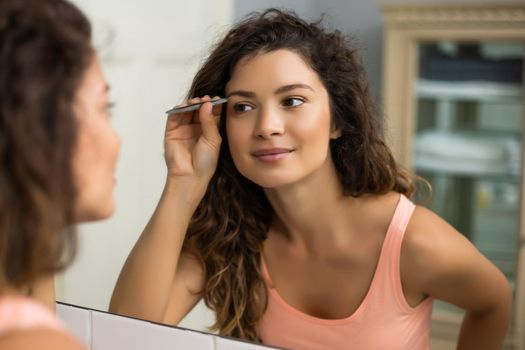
{"x": 272, "y": 182}
{"x": 95, "y": 213}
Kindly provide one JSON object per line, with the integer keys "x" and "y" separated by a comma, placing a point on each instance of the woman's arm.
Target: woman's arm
{"x": 146, "y": 280}
{"x": 442, "y": 263}
{"x": 158, "y": 283}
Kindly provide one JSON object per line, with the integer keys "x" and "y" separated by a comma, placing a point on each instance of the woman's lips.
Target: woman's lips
{"x": 271, "y": 155}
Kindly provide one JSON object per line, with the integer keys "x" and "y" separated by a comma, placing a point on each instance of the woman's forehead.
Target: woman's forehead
{"x": 279, "y": 67}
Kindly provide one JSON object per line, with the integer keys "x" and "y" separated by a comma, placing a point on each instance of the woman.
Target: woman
{"x": 296, "y": 229}
{"x": 58, "y": 153}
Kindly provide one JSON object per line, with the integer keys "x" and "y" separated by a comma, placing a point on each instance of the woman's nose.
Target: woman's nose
{"x": 270, "y": 123}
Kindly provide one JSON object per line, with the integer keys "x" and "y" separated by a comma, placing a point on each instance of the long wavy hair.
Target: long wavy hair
{"x": 44, "y": 51}
{"x": 227, "y": 230}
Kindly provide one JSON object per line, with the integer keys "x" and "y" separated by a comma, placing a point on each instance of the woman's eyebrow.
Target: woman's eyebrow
{"x": 289, "y": 87}
{"x": 285, "y": 88}
{"x": 242, "y": 93}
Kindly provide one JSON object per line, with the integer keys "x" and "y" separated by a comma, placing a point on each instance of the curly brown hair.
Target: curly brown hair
{"x": 227, "y": 231}
{"x": 44, "y": 51}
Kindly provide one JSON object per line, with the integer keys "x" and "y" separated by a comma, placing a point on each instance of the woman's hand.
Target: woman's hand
{"x": 192, "y": 143}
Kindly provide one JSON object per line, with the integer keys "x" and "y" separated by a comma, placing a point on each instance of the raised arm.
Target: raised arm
{"x": 157, "y": 282}
{"x": 442, "y": 263}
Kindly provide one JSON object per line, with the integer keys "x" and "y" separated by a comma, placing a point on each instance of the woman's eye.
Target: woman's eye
{"x": 242, "y": 108}
{"x": 293, "y": 102}
{"x": 109, "y": 108}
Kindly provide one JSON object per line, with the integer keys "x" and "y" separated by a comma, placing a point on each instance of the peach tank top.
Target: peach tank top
{"x": 20, "y": 314}
{"x": 384, "y": 320}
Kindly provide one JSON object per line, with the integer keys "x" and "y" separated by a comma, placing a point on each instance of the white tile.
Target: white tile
{"x": 111, "y": 332}
{"x": 230, "y": 344}
{"x": 77, "y": 320}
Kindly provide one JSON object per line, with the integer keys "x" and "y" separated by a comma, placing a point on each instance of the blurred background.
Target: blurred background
{"x": 459, "y": 140}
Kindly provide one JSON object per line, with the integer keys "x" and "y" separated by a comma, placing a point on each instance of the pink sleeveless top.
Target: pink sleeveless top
{"x": 384, "y": 320}
{"x": 20, "y": 314}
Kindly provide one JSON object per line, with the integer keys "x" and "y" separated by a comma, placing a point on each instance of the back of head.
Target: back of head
{"x": 44, "y": 51}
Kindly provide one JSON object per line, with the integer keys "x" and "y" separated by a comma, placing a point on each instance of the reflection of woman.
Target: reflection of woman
{"x": 57, "y": 155}
{"x": 297, "y": 229}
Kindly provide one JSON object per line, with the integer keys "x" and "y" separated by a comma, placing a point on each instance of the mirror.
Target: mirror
{"x": 149, "y": 76}
{"x": 150, "y": 51}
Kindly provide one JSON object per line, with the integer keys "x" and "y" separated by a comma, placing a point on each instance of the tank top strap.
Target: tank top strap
{"x": 388, "y": 272}
{"x": 398, "y": 225}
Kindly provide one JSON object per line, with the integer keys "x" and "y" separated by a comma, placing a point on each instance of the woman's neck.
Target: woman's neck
{"x": 7, "y": 290}
{"x": 41, "y": 290}
{"x": 313, "y": 213}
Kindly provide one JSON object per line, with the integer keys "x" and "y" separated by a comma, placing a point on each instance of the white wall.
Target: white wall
{"x": 150, "y": 51}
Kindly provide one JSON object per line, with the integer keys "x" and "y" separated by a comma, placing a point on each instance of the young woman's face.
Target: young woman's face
{"x": 278, "y": 119}
{"x": 97, "y": 148}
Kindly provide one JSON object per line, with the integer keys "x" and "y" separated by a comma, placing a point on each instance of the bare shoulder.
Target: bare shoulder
{"x": 43, "y": 339}
{"x": 432, "y": 247}
{"x": 439, "y": 261}
{"x": 427, "y": 234}
{"x": 427, "y": 250}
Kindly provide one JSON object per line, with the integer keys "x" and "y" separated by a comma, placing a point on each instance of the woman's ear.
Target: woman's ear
{"x": 335, "y": 133}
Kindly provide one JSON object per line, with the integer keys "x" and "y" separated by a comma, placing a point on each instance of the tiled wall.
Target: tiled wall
{"x": 103, "y": 331}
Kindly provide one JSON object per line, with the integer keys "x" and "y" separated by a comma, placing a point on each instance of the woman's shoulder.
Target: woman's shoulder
{"x": 428, "y": 231}
{"x": 439, "y": 261}
{"x": 433, "y": 251}
{"x": 24, "y": 313}
{"x": 41, "y": 338}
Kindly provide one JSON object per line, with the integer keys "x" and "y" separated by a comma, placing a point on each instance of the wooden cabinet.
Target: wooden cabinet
{"x": 454, "y": 113}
